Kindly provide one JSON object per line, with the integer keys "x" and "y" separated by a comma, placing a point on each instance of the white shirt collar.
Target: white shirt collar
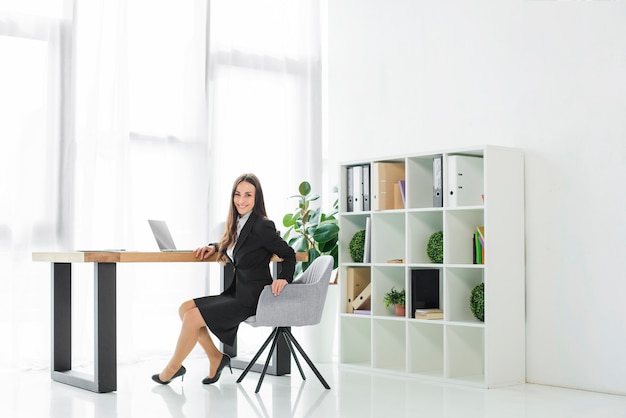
{"x": 242, "y": 221}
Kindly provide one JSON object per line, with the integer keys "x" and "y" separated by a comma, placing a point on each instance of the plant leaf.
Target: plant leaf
{"x": 299, "y": 244}
{"x": 314, "y": 217}
{"x": 326, "y": 232}
{"x": 289, "y": 220}
{"x": 329, "y": 247}
{"x": 304, "y": 188}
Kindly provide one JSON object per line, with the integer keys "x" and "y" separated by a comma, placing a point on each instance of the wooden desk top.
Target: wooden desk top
{"x": 130, "y": 257}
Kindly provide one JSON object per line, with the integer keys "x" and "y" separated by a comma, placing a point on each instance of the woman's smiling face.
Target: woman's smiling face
{"x": 244, "y": 198}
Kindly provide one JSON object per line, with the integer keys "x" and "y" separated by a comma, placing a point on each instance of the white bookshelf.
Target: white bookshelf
{"x": 457, "y": 348}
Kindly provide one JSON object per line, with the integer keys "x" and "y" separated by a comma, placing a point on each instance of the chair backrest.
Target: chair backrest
{"x": 302, "y": 302}
{"x": 320, "y": 267}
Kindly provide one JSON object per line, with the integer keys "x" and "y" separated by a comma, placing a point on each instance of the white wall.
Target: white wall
{"x": 409, "y": 76}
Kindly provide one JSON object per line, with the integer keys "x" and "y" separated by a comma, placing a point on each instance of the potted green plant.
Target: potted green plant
{"x": 312, "y": 230}
{"x": 397, "y": 298}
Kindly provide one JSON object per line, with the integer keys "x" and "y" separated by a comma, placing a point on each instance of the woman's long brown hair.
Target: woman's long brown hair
{"x": 230, "y": 233}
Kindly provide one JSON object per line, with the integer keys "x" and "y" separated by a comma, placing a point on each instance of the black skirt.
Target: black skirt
{"x": 222, "y": 314}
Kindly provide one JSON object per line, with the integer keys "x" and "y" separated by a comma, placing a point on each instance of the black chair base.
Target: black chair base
{"x": 277, "y": 333}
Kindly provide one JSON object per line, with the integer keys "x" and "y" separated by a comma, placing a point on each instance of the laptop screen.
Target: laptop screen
{"x": 162, "y": 235}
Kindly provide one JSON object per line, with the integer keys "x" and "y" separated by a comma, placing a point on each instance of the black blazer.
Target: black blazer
{"x": 257, "y": 242}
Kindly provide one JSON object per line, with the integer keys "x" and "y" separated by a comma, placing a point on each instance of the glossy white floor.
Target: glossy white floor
{"x": 352, "y": 394}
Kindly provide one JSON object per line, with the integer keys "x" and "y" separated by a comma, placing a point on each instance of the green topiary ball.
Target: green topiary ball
{"x": 357, "y": 246}
{"x": 434, "y": 249}
{"x": 477, "y": 302}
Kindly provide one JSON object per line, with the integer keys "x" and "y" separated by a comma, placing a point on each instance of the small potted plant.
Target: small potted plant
{"x": 397, "y": 298}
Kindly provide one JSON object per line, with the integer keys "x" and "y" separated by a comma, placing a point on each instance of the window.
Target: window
{"x": 264, "y": 106}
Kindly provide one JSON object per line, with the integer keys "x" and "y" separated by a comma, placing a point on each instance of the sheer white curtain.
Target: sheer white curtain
{"x": 265, "y": 104}
{"x": 117, "y": 111}
{"x": 141, "y": 153}
{"x": 85, "y": 160}
{"x": 34, "y": 54}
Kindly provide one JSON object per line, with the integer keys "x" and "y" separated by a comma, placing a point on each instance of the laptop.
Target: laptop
{"x": 163, "y": 237}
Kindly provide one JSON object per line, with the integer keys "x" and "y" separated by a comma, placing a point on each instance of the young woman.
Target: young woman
{"x": 249, "y": 241}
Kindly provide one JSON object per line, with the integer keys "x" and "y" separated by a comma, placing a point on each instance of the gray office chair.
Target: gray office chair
{"x": 300, "y": 303}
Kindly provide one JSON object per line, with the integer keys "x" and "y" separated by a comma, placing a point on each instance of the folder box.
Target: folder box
{"x": 357, "y": 279}
{"x": 465, "y": 180}
{"x": 357, "y": 188}
{"x": 367, "y": 202}
{"x": 438, "y": 181}
{"x": 362, "y": 301}
{"x": 349, "y": 190}
{"x": 384, "y": 176}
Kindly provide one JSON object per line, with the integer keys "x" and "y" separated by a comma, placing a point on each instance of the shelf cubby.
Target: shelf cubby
{"x": 383, "y": 279}
{"x": 355, "y": 339}
{"x": 350, "y": 225}
{"x": 419, "y": 192}
{"x": 426, "y": 347}
{"x": 388, "y": 236}
{"x": 459, "y": 228}
{"x": 420, "y": 226}
{"x": 389, "y": 344}
{"x": 425, "y": 288}
{"x": 460, "y": 282}
{"x": 465, "y": 353}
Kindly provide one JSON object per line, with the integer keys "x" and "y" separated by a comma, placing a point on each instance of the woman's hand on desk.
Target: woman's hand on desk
{"x": 204, "y": 252}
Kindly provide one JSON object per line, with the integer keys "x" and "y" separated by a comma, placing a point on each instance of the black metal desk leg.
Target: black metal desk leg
{"x": 61, "y": 317}
{"x": 105, "y": 344}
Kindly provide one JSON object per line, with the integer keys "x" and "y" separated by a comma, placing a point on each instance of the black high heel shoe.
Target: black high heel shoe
{"x": 181, "y": 372}
{"x": 225, "y": 361}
